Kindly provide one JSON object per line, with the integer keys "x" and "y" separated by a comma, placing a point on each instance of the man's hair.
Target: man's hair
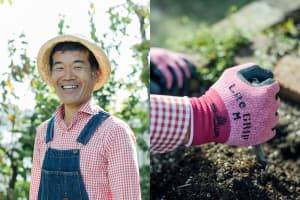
{"x": 74, "y": 46}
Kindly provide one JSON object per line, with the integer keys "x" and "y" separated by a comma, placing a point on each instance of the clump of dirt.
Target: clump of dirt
{"x": 217, "y": 171}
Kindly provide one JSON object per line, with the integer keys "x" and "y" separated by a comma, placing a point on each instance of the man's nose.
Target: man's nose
{"x": 68, "y": 74}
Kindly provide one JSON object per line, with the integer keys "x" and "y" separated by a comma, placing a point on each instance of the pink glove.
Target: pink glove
{"x": 166, "y": 60}
{"x": 239, "y": 109}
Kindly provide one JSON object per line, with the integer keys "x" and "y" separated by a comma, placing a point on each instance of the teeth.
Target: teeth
{"x": 69, "y": 86}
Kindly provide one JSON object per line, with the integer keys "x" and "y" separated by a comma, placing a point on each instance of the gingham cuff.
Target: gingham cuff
{"x": 191, "y": 135}
{"x": 169, "y": 122}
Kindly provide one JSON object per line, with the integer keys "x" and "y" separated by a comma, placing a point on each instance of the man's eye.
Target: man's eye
{"x": 78, "y": 67}
{"x": 58, "y": 68}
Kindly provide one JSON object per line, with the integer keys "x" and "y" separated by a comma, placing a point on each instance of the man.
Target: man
{"x": 82, "y": 152}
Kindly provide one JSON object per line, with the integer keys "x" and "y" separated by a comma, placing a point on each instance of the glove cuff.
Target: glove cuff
{"x": 211, "y": 119}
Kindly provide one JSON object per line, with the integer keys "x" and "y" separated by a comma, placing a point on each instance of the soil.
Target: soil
{"x": 217, "y": 171}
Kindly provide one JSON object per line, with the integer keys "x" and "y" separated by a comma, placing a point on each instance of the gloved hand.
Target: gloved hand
{"x": 239, "y": 109}
{"x": 166, "y": 61}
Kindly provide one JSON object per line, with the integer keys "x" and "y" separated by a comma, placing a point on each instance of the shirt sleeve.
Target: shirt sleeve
{"x": 36, "y": 169}
{"x": 169, "y": 122}
{"x": 123, "y": 170}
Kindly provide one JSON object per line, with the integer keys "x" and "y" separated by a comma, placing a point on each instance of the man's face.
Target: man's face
{"x": 72, "y": 77}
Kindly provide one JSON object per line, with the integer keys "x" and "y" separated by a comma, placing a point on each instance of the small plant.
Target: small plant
{"x": 214, "y": 48}
{"x": 281, "y": 40}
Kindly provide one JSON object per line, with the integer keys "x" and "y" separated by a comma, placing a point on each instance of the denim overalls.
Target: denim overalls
{"x": 61, "y": 178}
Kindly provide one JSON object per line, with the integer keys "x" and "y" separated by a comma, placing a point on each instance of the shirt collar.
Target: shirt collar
{"x": 90, "y": 107}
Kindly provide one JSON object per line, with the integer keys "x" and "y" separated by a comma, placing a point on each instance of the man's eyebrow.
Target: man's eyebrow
{"x": 57, "y": 63}
{"x": 78, "y": 61}
{"x": 75, "y": 61}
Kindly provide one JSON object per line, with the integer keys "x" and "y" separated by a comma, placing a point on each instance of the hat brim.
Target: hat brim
{"x": 45, "y": 51}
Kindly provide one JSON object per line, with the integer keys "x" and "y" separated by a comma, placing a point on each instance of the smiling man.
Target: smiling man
{"x": 82, "y": 152}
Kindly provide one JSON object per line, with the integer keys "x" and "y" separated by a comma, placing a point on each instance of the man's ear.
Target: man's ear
{"x": 96, "y": 76}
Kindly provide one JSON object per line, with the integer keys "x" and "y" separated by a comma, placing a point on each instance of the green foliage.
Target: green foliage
{"x": 61, "y": 25}
{"x": 280, "y": 41}
{"x": 134, "y": 111}
{"x": 288, "y": 27}
{"x": 215, "y": 48}
{"x": 20, "y": 145}
{"x": 218, "y": 49}
{"x": 3, "y": 1}
{"x": 145, "y": 181}
{"x": 141, "y": 50}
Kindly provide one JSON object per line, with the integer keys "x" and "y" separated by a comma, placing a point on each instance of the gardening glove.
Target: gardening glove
{"x": 158, "y": 82}
{"x": 239, "y": 109}
{"x": 168, "y": 62}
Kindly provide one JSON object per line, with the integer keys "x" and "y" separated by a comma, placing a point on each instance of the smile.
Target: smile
{"x": 69, "y": 87}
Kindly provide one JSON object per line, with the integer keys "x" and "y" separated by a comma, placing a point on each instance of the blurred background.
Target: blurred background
{"x": 215, "y": 35}
{"x": 120, "y": 27}
{"x": 173, "y": 18}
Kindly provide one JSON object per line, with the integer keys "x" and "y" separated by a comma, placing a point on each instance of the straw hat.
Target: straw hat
{"x": 44, "y": 54}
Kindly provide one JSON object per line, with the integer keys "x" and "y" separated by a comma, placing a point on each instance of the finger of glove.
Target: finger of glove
{"x": 274, "y": 114}
{"x": 272, "y": 89}
{"x": 167, "y": 74}
{"x": 272, "y": 120}
{"x": 184, "y": 66}
{"x": 175, "y": 67}
{"x": 253, "y": 75}
{"x": 256, "y": 75}
{"x": 157, "y": 76}
{"x": 179, "y": 76}
{"x": 237, "y": 68}
{"x": 276, "y": 105}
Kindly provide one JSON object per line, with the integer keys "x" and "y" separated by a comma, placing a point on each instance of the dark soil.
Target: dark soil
{"x": 216, "y": 171}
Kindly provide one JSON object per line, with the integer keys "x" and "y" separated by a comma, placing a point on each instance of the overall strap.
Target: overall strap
{"x": 50, "y": 130}
{"x": 91, "y": 126}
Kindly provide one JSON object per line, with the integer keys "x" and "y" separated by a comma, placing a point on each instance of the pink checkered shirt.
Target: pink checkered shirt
{"x": 169, "y": 122}
{"x": 108, "y": 162}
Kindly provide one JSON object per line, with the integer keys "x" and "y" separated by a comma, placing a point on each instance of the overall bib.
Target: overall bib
{"x": 61, "y": 178}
